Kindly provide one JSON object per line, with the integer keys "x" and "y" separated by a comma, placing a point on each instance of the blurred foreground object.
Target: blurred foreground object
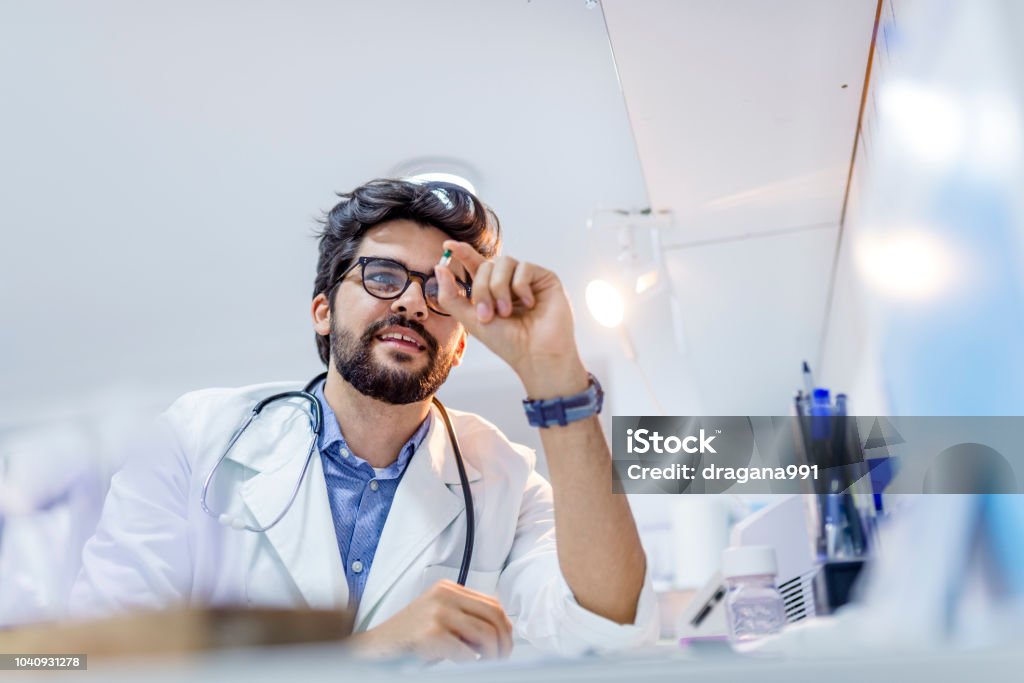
{"x": 178, "y": 631}
{"x": 51, "y": 490}
{"x": 939, "y": 244}
{"x": 54, "y": 476}
{"x": 950, "y": 574}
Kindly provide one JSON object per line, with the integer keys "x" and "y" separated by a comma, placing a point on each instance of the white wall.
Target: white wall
{"x": 164, "y": 164}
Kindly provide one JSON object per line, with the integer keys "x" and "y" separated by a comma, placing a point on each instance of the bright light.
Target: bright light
{"x": 605, "y": 303}
{"x": 905, "y": 264}
{"x": 445, "y": 178}
{"x": 929, "y": 121}
{"x": 645, "y": 281}
{"x": 997, "y": 131}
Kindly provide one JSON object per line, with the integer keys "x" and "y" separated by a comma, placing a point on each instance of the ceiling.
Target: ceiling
{"x": 166, "y": 163}
{"x": 744, "y": 115}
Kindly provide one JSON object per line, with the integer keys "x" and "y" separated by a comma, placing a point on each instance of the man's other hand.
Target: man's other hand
{"x": 448, "y": 621}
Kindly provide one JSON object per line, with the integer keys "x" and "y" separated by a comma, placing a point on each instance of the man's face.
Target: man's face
{"x": 364, "y": 347}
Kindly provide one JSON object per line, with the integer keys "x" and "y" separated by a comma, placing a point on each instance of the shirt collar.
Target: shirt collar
{"x": 332, "y": 441}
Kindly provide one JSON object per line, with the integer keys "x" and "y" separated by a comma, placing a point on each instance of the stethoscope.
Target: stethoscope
{"x": 316, "y": 425}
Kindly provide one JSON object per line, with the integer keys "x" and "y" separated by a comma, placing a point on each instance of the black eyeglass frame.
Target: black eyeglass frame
{"x": 409, "y": 275}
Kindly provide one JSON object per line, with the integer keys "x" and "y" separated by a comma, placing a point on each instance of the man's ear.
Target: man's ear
{"x": 460, "y": 348}
{"x": 321, "y": 311}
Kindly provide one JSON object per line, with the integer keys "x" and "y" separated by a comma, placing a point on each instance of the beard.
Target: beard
{"x": 354, "y": 361}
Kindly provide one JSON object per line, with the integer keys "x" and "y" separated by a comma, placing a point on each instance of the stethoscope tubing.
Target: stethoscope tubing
{"x": 316, "y": 425}
{"x": 467, "y": 494}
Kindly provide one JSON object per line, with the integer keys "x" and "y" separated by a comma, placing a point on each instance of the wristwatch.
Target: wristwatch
{"x": 565, "y": 409}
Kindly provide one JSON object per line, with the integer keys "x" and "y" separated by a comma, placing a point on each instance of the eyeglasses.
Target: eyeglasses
{"x": 388, "y": 280}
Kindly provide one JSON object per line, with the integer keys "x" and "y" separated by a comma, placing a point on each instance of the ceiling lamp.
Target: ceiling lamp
{"x": 440, "y": 169}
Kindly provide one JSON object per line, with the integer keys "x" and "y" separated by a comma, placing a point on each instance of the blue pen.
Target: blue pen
{"x": 821, "y": 412}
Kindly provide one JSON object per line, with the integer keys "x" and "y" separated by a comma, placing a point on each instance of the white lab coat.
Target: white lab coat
{"x": 155, "y": 546}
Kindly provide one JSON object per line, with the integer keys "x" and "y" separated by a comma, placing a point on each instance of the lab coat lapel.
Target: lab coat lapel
{"x": 424, "y": 506}
{"x": 304, "y": 539}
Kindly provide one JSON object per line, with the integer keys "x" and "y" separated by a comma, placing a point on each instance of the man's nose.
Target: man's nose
{"x": 412, "y": 302}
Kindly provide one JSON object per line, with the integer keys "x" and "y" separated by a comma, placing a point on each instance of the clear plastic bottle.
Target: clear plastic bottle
{"x": 753, "y": 605}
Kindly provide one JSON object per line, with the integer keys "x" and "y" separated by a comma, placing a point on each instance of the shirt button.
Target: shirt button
{"x": 374, "y": 485}
{"x": 343, "y": 452}
{"x": 357, "y": 566}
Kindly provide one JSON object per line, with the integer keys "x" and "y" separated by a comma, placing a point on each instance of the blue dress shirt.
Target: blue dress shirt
{"x": 360, "y": 496}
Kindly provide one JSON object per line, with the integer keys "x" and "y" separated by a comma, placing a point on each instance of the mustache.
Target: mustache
{"x": 400, "y": 321}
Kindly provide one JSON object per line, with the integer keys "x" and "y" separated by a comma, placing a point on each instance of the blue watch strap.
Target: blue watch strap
{"x": 565, "y": 409}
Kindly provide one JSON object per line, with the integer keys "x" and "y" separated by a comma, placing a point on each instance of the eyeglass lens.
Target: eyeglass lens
{"x": 387, "y": 280}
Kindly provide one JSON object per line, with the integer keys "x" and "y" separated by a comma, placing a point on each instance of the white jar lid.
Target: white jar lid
{"x": 748, "y": 560}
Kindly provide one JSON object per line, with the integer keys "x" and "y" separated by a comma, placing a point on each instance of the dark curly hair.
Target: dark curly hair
{"x": 448, "y": 207}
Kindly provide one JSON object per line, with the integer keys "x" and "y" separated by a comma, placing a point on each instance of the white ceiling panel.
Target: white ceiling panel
{"x": 738, "y": 107}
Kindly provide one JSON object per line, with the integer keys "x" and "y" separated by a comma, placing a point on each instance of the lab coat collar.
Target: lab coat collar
{"x": 288, "y": 420}
{"x": 442, "y": 452}
{"x": 428, "y": 500}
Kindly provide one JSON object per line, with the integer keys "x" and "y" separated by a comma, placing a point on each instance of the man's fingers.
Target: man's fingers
{"x": 482, "y": 297}
{"x": 501, "y": 281}
{"x": 466, "y": 254}
{"x": 450, "y": 646}
{"x": 458, "y": 306}
{"x": 480, "y": 634}
{"x": 476, "y": 605}
{"x": 505, "y": 640}
{"x": 521, "y": 284}
{"x": 487, "y": 608}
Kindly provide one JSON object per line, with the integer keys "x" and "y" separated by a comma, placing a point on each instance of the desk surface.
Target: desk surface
{"x": 666, "y": 663}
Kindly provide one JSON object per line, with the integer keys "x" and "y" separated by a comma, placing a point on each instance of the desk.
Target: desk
{"x": 329, "y": 663}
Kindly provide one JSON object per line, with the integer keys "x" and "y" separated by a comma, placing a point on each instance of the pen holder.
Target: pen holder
{"x": 840, "y": 503}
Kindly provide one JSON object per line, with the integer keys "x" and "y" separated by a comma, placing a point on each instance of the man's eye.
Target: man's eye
{"x": 384, "y": 280}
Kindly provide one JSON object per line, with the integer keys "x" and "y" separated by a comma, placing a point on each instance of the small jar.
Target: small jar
{"x": 753, "y": 605}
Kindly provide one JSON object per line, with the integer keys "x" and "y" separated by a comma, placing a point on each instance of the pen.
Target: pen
{"x": 808, "y": 386}
{"x": 808, "y": 380}
{"x": 446, "y": 258}
{"x": 832, "y": 526}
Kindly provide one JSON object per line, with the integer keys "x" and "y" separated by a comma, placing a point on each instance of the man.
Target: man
{"x": 378, "y": 521}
